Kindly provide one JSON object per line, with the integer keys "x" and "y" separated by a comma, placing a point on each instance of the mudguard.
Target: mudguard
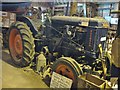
{"x": 29, "y": 23}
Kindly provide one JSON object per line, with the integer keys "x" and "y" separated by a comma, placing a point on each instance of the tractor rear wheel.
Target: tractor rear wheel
{"x": 69, "y": 68}
{"x": 21, "y": 44}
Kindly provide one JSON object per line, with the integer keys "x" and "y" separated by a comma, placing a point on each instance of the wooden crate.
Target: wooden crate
{"x": 91, "y": 81}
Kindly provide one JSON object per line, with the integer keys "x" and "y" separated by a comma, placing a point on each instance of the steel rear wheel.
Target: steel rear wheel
{"x": 69, "y": 68}
{"x": 21, "y": 44}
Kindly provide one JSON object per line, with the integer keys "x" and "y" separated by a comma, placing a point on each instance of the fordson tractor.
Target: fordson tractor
{"x": 69, "y": 43}
{"x": 71, "y": 47}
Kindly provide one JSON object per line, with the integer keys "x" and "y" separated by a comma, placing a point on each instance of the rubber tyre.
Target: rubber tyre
{"x": 28, "y": 45}
{"x": 72, "y": 64}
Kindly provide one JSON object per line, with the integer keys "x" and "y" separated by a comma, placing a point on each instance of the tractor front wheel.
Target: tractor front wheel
{"x": 69, "y": 68}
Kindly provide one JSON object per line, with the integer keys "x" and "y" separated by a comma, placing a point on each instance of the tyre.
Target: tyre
{"x": 21, "y": 44}
{"x": 69, "y": 68}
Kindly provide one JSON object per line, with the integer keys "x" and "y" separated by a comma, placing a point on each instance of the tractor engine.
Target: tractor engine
{"x": 69, "y": 38}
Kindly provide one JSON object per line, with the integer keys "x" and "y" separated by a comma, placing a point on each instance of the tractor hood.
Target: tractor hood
{"x": 81, "y": 21}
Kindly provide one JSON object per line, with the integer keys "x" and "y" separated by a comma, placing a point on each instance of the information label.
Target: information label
{"x": 59, "y": 81}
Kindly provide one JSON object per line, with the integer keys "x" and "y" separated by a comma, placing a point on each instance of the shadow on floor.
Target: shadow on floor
{"x": 7, "y": 58}
{"x": 47, "y": 81}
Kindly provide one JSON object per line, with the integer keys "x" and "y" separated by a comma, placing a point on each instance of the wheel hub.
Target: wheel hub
{"x": 18, "y": 44}
{"x": 65, "y": 71}
{"x": 15, "y": 44}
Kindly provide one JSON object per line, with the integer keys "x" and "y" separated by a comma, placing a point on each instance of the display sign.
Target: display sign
{"x": 59, "y": 81}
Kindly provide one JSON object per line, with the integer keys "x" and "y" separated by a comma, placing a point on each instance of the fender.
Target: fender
{"x": 29, "y": 23}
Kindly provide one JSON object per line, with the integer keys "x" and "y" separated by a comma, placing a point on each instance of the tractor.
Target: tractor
{"x": 69, "y": 44}
{"x": 72, "y": 47}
